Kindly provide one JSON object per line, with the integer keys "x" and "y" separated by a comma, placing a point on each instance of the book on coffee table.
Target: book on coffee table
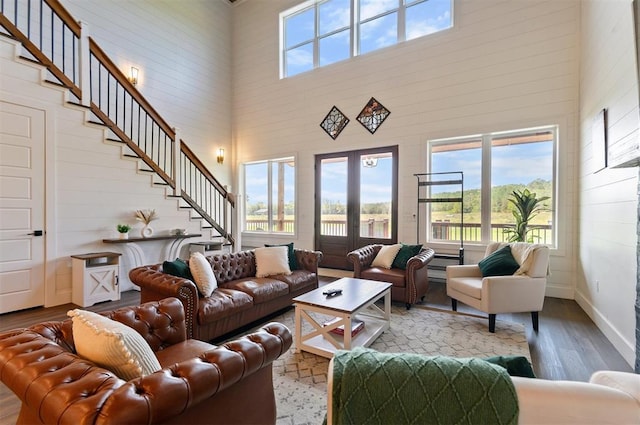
{"x": 356, "y": 326}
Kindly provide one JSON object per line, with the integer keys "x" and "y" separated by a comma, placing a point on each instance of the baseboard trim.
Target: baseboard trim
{"x": 624, "y": 347}
{"x": 554, "y": 291}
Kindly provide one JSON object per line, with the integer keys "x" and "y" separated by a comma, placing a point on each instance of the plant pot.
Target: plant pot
{"x": 146, "y": 232}
{"x": 124, "y": 235}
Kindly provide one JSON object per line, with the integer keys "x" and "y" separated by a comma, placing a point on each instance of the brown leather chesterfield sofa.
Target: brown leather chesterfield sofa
{"x": 241, "y": 298}
{"x": 409, "y": 285}
{"x": 199, "y": 383}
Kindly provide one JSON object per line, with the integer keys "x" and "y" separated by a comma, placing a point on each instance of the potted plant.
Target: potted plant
{"x": 527, "y": 206}
{"x": 123, "y": 229}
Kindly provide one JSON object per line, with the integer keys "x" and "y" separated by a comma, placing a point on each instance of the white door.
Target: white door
{"x": 22, "y": 134}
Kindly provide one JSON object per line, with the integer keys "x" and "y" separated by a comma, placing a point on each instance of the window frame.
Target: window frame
{"x": 485, "y": 183}
{"x": 271, "y": 163}
{"x": 354, "y": 30}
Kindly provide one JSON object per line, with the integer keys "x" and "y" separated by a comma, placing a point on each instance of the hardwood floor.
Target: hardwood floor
{"x": 568, "y": 345}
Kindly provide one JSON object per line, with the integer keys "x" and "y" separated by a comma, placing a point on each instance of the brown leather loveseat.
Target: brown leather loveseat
{"x": 240, "y": 299}
{"x": 198, "y": 383}
{"x": 409, "y": 285}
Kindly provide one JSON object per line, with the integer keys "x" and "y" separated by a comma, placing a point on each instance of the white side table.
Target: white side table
{"x": 95, "y": 278}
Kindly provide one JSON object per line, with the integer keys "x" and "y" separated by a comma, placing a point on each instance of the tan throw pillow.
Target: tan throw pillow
{"x": 112, "y": 345}
{"x": 386, "y": 256}
{"x": 271, "y": 261}
{"x": 202, "y": 274}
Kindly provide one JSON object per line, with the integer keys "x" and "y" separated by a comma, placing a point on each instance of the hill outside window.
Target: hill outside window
{"x": 494, "y": 165}
{"x": 321, "y": 32}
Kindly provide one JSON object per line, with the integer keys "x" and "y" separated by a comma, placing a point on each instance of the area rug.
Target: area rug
{"x": 300, "y": 379}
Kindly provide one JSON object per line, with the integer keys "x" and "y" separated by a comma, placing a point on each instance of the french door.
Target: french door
{"x": 356, "y": 202}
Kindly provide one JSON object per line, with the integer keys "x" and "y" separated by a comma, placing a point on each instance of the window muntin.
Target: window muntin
{"x": 321, "y": 32}
{"x": 513, "y": 160}
{"x": 270, "y": 196}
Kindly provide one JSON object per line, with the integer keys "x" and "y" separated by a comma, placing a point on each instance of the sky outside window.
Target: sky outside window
{"x": 321, "y": 34}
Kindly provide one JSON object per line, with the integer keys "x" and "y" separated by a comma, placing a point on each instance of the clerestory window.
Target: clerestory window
{"x": 321, "y": 32}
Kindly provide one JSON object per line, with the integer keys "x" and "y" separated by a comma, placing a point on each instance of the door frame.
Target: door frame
{"x": 353, "y": 240}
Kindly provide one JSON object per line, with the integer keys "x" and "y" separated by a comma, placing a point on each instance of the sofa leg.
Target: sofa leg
{"x": 534, "y": 319}
{"x": 408, "y": 306}
{"x": 492, "y": 323}
{"x": 454, "y": 304}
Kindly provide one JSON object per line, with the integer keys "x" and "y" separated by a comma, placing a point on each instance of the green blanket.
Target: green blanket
{"x": 385, "y": 388}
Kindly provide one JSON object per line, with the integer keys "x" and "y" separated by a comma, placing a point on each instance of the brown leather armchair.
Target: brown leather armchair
{"x": 409, "y": 285}
{"x": 198, "y": 382}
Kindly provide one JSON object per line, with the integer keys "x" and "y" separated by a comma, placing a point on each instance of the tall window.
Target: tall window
{"x": 494, "y": 166}
{"x": 321, "y": 32}
{"x": 270, "y": 196}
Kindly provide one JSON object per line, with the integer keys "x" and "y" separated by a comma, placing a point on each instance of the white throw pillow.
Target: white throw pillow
{"x": 112, "y": 345}
{"x": 386, "y": 255}
{"x": 202, "y": 274}
{"x": 271, "y": 261}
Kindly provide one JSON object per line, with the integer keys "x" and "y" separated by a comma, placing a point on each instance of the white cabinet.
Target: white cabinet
{"x": 95, "y": 278}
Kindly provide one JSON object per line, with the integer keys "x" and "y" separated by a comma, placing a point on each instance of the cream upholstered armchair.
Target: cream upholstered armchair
{"x": 519, "y": 291}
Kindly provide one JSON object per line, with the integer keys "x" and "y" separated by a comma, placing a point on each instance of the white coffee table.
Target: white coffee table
{"x": 357, "y": 299}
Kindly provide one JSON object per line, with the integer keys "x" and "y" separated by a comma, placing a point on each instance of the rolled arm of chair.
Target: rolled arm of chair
{"x": 173, "y": 390}
{"x": 308, "y": 260}
{"x": 363, "y": 257}
{"x": 421, "y": 259}
{"x": 156, "y": 285}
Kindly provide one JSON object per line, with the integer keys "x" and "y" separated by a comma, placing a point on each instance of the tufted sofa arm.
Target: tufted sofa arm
{"x": 57, "y": 386}
{"x": 417, "y": 271}
{"x": 159, "y": 285}
{"x": 308, "y": 260}
{"x": 363, "y": 257}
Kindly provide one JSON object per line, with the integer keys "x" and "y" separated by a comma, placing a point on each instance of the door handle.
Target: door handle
{"x": 36, "y": 233}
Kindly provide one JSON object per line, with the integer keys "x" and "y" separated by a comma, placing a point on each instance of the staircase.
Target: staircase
{"x": 51, "y": 37}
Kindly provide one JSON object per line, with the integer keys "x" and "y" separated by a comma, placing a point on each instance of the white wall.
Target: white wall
{"x": 505, "y": 65}
{"x": 608, "y": 199}
{"x": 184, "y": 57}
{"x": 182, "y": 50}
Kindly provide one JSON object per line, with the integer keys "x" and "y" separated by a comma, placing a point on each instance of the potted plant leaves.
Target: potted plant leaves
{"x": 527, "y": 205}
{"x": 123, "y": 229}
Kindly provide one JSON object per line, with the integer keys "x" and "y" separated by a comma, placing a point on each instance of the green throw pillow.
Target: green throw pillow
{"x": 177, "y": 268}
{"x": 515, "y": 365}
{"x": 403, "y": 256}
{"x": 499, "y": 263}
{"x": 291, "y": 255}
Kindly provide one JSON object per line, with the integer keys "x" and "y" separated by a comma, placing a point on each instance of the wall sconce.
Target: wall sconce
{"x": 220, "y": 156}
{"x": 133, "y": 76}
